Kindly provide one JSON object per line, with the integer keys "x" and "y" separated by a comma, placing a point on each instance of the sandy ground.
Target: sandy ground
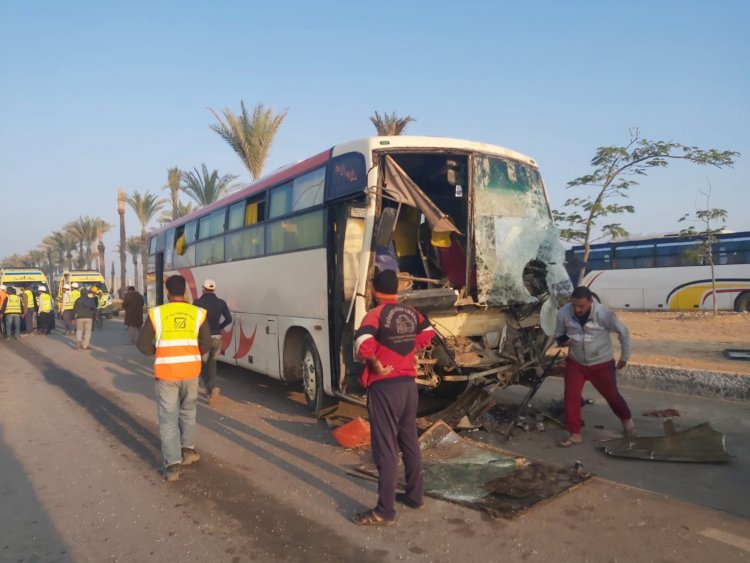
{"x": 688, "y": 340}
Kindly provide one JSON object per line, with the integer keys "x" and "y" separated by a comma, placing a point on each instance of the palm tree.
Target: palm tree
{"x": 174, "y": 175}
{"x": 390, "y": 124}
{"x": 14, "y": 261}
{"x": 56, "y": 244}
{"x": 121, "y": 246}
{"x": 84, "y": 230}
{"x": 134, "y": 247}
{"x": 145, "y": 206}
{"x": 182, "y": 210}
{"x": 206, "y": 188}
{"x": 35, "y": 258}
{"x": 101, "y": 227}
{"x": 250, "y": 137}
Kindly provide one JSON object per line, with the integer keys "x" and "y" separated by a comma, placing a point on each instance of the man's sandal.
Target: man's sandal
{"x": 370, "y": 518}
{"x": 568, "y": 442}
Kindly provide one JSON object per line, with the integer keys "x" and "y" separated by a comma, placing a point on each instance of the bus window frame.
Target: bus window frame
{"x": 331, "y": 173}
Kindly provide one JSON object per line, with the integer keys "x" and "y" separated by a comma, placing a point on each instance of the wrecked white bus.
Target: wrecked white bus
{"x": 467, "y": 225}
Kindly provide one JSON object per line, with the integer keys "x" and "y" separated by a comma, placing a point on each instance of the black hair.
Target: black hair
{"x": 175, "y": 285}
{"x": 582, "y": 292}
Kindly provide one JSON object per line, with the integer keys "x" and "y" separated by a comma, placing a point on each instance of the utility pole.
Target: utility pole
{"x": 121, "y": 213}
{"x": 112, "y": 281}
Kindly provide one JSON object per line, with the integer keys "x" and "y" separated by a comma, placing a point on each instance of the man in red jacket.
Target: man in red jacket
{"x": 388, "y": 338}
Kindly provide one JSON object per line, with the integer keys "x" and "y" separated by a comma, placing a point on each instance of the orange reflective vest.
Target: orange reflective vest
{"x": 13, "y": 307}
{"x": 176, "y": 327}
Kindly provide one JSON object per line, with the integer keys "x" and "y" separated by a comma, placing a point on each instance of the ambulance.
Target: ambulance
{"x": 86, "y": 279}
{"x": 23, "y": 277}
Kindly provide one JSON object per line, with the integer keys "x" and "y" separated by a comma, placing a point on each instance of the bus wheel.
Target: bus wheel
{"x": 451, "y": 389}
{"x": 742, "y": 303}
{"x": 312, "y": 379}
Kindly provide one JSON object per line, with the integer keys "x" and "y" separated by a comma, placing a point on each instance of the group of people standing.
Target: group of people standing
{"x": 24, "y": 311}
{"x": 79, "y": 311}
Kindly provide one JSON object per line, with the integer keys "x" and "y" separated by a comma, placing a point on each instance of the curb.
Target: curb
{"x": 715, "y": 384}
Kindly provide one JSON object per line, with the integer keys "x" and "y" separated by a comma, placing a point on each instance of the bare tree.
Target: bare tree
{"x": 707, "y": 218}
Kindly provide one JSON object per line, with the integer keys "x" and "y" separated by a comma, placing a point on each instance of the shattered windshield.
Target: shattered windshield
{"x": 512, "y": 228}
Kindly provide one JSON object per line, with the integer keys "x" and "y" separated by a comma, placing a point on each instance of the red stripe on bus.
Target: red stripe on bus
{"x": 277, "y": 178}
{"x": 710, "y": 293}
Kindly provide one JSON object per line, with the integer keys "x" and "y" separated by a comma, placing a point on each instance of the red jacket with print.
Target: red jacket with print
{"x": 392, "y": 333}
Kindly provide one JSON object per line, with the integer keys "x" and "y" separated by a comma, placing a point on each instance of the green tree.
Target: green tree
{"x": 206, "y": 188}
{"x": 250, "y": 136}
{"x": 708, "y": 218}
{"x": 182, "y": 210}
{"x": 84, "y": 231}
{"x": 134, "y": 247}
{"x": 101, "y": 227}
{"x": 145, "y": 206}
{"x": 15, "y": 261}
{"x": 390, "y": 124}
{"x": 61, "y": 244}
{"x": 615, "y": 170}
{"x": 174, "y": 176}
{"x": 121, "y": 200}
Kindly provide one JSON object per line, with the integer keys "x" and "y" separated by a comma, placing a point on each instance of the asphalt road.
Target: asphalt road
{"x": 80, "y": 479}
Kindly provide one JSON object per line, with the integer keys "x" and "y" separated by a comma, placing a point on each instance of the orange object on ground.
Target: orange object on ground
{"x": 353, "y": 434}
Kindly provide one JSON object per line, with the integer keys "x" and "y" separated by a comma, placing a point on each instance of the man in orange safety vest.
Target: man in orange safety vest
{"x": 177, "y": 333}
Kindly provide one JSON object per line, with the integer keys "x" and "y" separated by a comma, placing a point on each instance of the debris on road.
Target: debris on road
{"x": 664, "y": 412}
{"x": 737, "y": 355}
{"x": 484, "y": 478}
{"x": 697, "y": 444}
{"x": 353, "y": 434}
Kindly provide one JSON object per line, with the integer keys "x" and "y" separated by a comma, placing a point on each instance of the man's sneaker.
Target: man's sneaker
{"x": 78, "y": 345}
{"x": 213, "y": 395}
{"x": 172, "y": 472}
{"x": 189, "y": 456}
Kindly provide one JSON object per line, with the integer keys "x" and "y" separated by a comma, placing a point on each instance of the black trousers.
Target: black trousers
{"x": 44, "y": 322}
{"x": 392, "y": 407}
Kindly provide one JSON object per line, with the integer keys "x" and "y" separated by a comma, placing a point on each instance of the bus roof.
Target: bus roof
{"x": 665, "y": 239}
{"x": 365, "y": 146}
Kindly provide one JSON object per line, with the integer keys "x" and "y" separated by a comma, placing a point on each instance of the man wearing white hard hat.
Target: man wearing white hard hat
{"x": 216, "y": 309}
{"x": 68, "y": 302}
{"x": 44, "y": 314}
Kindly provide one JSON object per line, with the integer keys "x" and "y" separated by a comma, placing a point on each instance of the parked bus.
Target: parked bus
{"x": 668, "y": 273}
{"x": 467, "y": 225}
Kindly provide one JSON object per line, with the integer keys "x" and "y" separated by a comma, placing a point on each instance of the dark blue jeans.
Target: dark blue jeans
{"x": 12, "y": 324}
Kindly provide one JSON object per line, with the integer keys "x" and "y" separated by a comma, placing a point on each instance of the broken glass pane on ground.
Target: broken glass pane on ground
{"x": 697, "y": 444}
{"x": 483, "y": 478}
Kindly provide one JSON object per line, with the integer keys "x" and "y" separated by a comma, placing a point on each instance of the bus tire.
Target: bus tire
{"x": 742, "y": 303}
{"x": 450, "y": 389}
{"x": 312, "y": 379}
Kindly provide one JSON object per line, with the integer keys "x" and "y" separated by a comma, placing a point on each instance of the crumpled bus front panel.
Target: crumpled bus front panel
{"x": 512, "y": 226}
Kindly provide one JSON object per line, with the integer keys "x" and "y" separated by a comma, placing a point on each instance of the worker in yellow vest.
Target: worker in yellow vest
{"x": 12, "y": 310}
{"x": 3, "y": 297}
{"x": 68, "y": 302}
{"x": 29, "y": 302}
{"x": 178, "y": 334}
{"x": 45, "y": 319}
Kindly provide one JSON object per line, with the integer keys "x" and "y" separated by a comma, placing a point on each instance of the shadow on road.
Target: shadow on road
{"x": 130, "y": 431}
{"x": 28, "y": 534}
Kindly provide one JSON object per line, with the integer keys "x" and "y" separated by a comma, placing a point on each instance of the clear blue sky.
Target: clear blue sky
{"x": 96, "y": 95}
